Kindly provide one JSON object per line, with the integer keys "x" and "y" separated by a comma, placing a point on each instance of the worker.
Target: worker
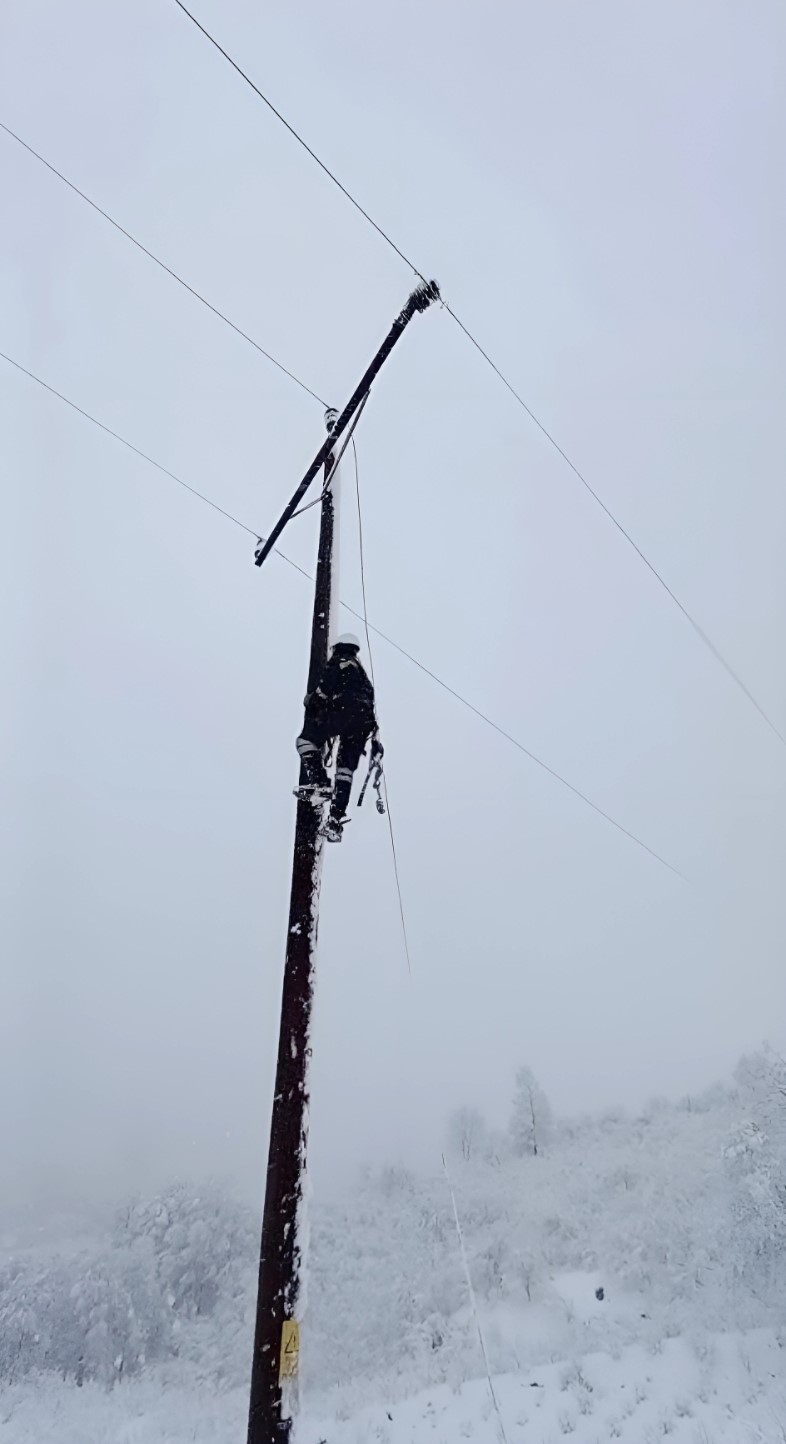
{"x": 340, "y": 706}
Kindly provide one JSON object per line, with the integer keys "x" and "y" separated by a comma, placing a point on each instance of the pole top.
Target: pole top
{"x": 424, "y": 294}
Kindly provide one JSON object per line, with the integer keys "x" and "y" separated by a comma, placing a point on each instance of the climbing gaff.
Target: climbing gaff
{"x": 374, "y": 776}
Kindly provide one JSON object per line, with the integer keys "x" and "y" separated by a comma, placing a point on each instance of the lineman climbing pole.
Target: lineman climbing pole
{"x": 275, "y": 1363}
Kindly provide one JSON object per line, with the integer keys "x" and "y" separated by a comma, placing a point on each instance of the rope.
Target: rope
{"x": 326, "y": 485}
{"x": 374, "y": 684}
{"x": 474, "y": 1304}
{"x": 459, "y": 1231}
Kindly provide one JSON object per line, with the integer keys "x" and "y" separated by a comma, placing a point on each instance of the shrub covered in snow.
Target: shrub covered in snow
{"x": 200, "y": 1242}
{"x": 678, "y": 1215}
{"x": 85, "y": 1319}
{"x": 171, "y": 1259}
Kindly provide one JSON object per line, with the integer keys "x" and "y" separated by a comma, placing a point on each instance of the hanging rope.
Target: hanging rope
{"x": 474, "y": 1304}
{"x": 373, "y": 680}
{"x": 329, "y": 478}
{"x": 457, "y": 1220}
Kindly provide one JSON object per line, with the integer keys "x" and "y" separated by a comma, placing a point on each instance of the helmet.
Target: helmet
{"x": 348, "y": 640}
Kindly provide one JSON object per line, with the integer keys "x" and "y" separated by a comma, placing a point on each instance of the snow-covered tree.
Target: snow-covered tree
{"x": 758, "y": 1203}
{"x": 531, "y": 1118}
{"x": 683, "y": 1208}
{"x": 467, "y": 1133}
{"x": 85, "y": 1318}
{"x": 200, "y": 1241}
{"x": 761, "y": 1087}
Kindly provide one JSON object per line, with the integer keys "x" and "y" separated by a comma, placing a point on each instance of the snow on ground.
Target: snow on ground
{"x": 727, "y": 1389}
{"x": 583, "y": 1293}
{"x": 732, "y": 1390}
{"x": 630, "y": 1281}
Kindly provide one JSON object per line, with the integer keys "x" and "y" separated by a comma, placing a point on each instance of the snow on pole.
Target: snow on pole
{"x": 281, "y": 1292}
{"x": 335, "y": 487}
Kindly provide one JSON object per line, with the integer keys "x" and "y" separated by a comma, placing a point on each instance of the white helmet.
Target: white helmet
{"x": 347, "y": 639}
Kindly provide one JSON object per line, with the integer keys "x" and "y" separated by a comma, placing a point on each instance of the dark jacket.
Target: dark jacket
{"x": 344, "y": 697}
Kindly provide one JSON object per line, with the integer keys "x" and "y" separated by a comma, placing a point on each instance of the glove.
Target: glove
{"x": 377, "y": 750}
{"x": 309, "y": 697}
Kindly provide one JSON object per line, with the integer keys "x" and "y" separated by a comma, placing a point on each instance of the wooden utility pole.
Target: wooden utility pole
{"x": 275, "y": 1362}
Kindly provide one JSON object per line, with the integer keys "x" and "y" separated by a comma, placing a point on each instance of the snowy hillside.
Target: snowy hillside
{"x": 731, "y": 1390}
{"x": 629, "y": 1275}
{"x": 726, "y": 1390}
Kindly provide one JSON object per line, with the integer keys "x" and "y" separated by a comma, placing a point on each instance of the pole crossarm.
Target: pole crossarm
{"x": 421, "y": 298}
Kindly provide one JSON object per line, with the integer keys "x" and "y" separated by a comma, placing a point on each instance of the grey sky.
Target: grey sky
{"x": 598, "y": 190}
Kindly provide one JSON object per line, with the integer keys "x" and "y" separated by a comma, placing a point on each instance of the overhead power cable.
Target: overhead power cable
{"x": 277, "y": 113}
{"x": 162, "y": 264}
{"x": 484, "y": 717}
{"x": 124, "y": 442}
{"x": 699, "y": 630}
{"x": 708, "y": 642}
{"x": 130, "y": 446}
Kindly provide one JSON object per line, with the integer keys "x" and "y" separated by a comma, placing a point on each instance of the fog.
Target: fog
{"x": 597, "y": 191}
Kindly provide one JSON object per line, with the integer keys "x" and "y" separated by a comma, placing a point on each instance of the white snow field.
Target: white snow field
{"x": 630, "y": 1281}
{"x": 731, "y": 1389}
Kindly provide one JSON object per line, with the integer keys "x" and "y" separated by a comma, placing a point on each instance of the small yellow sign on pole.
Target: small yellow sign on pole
{"x": 290, "y": 1350}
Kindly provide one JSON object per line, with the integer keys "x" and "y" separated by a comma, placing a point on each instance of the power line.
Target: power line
{"x": 374, "y": 684}
{"x": 620, "y": 528}
{"x": 520, "y": 745}
{"x": 499, "y": 373}
{"x": 277, "y": 113}
{"x": 162, "y": 264}
{"x": 482, "y": 715}
{"x": 123, "y": 442}
{"x": 250, "y": 531}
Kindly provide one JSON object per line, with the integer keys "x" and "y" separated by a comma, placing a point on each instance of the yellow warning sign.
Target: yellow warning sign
{"x": 290, "y": 1350}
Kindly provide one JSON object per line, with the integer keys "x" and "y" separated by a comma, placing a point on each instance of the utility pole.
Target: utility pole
{"x": 275, "y": 1363}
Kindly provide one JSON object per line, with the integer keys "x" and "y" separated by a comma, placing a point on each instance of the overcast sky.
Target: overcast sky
{"x": 599, "y": 191}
